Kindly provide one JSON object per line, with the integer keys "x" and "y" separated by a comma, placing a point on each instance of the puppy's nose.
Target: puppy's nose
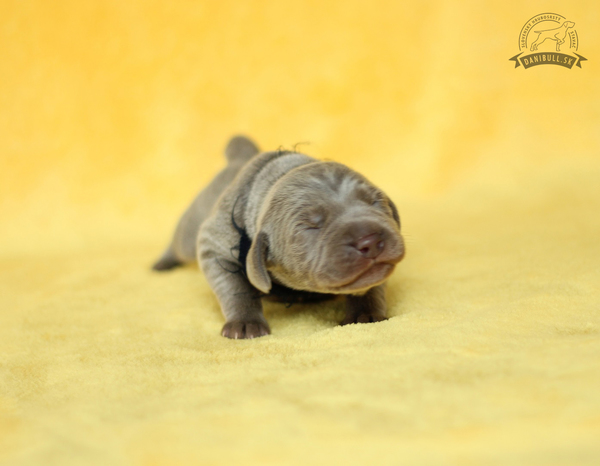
{"x": 370, "y": 246}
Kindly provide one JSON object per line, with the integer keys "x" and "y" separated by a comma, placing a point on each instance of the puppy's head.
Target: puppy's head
{"x": 327, "y": 229}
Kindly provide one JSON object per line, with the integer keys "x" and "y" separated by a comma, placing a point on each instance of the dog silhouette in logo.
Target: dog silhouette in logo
{"x": 558, "y": 34}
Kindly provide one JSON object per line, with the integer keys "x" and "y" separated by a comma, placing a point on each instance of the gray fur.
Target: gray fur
{"x": 313, "y": 227}
{"x": 183, "y": 246}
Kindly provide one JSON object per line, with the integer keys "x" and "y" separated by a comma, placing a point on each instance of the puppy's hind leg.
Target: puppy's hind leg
{"x": 167, "y": 261}
{"x": 182, "y": 248}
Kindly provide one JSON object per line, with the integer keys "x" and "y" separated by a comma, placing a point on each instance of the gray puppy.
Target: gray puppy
{"x": 285, "y": 225}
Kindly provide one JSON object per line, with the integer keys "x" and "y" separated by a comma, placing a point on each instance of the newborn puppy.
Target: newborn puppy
{"x": 285, "y": 225}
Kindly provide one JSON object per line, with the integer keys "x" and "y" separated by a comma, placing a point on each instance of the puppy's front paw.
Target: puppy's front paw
{"x": 245, "y": 329}
{"x": 362, "y": 318}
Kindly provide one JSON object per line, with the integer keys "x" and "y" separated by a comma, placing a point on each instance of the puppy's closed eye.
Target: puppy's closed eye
{"x": 312, "y": 221}
{"x": 316, "y": 221}
{"x": 386, "y": 205}
{"x": 379, "y": 201}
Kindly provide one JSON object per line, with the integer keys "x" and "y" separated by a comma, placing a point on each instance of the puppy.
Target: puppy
{"x": 285, "y": 225}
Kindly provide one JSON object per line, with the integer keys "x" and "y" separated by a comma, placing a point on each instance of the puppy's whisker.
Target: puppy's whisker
{"x": 303, "y": 143}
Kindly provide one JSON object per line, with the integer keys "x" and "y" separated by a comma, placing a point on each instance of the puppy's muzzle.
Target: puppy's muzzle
{"x": 365, "y": 257}
{"x": 370, "y": 246}
{"x": 373, "y": 242}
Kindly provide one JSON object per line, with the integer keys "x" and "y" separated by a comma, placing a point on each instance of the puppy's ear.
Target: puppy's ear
{"x": 256, "y": 263}
{"x": 394, "y": 211}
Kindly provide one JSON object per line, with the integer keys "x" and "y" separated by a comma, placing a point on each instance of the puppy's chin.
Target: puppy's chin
{"x": 375, "y": 275}
{"x": 367, "y": 273}
{"x": 372, "y": 273}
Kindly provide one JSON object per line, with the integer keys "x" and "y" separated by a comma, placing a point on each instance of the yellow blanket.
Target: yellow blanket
{"x": 113, "y": 114}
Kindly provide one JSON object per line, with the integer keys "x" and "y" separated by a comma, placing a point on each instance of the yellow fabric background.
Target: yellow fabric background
{"x": 113, "y": 114}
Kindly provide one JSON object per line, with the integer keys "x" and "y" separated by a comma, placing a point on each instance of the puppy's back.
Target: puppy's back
{"x": 182, "y": 249}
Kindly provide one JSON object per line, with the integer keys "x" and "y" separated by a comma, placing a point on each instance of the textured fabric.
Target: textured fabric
{"x": 114, "y": 113}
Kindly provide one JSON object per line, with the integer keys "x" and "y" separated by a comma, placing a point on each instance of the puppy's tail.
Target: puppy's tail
{"x": 240, "y": 149}
{"x": 167, "y": 261}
